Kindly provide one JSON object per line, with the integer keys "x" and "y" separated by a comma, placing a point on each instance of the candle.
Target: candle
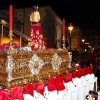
{"x": 10, "y": 18}
{"x": 63, "y": 27}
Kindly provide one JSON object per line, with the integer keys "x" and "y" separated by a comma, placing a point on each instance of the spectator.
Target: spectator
{"x": 98, "y": 75}
{"x": 98, "y": 94}
{"x": 93, "y": 95}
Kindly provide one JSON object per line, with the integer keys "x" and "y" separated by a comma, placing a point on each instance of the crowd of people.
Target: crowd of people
{"x": 78, "y": 85}
{"x": 92, "y": 60}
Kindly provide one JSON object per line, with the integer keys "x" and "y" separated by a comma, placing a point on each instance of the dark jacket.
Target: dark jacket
{"x": 98, "y": 73}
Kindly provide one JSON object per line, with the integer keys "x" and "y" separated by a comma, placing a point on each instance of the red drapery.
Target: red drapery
{"x": 37, "y": 37}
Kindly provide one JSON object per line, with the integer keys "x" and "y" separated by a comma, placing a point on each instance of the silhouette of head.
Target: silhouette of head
{"x": 35, "y": 8}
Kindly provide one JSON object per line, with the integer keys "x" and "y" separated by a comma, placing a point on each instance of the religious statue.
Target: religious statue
{"x": 36, "y": 33}
{"x": 35, "y": 15}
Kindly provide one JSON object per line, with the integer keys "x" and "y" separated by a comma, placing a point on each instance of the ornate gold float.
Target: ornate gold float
{"x": 25, "y": 67}
{"x": 20, "y": 67}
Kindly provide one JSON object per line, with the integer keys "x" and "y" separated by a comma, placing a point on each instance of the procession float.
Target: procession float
{"x": 36, "y": 65}
{"x": 20, "y": 66}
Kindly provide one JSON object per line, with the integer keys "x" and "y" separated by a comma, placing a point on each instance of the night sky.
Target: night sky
{"x": 80, "y": 13}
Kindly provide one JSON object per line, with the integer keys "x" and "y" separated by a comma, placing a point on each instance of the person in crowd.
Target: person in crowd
{"x": 82, "y": 62}
{"x": 98, "y": 94}
{"x": 93, "y": 95}
{"x": 86, "y": 97}
{"x": 97, "y": 74}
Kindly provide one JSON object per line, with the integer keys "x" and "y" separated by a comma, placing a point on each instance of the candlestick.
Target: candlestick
{"x": 63, "y": 27}
{"x": 63, "y": 38}
{"x": 11, "y": 49}
{"x": 10, "y": 18}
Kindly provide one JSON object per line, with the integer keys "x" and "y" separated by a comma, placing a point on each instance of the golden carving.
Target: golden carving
{"x": 56, "y": 61}
{"x": 36, "y": 64}
{"x": 20, "y": 73}
{"x": 64, "y": 45}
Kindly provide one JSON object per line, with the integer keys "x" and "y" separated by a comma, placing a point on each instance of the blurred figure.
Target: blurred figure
{"x": 98, "y": 76}
{"x": 93, "y": 95}
{"x": 86, "y": 97}
{"x": 98, "y": 94}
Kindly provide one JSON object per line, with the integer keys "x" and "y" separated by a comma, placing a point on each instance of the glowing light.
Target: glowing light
{"x": 70, "y": 27}
{"x": 7, "y": 40}
{"x": 87, "y": 43}
{"x": 83, "y": 40}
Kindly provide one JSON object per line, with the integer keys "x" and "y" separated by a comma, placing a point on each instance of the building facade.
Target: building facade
{"x": 76, "y": 37}
{"x": 92, "y": 39}
{"x": 50, "y": 21}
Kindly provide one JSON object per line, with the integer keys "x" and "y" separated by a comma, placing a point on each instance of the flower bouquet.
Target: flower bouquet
{"x": 6, "y": 46}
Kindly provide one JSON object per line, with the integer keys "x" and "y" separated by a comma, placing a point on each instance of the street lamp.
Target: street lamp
{"x": 70, "y": 27}
{"x": 83, "y": 41}
{"x": 3, "y": 22}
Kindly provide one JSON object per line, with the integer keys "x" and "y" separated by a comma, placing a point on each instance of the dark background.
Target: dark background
{"x": 81, "y": 13}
